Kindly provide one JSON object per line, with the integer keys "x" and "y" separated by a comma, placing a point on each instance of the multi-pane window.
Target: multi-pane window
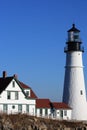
{"x": 8, "y": 95}
{"x": 27, "y": 93}
{"x": 46, "y": 112}
{"x": 61, "y": 113}
{"x": 40, "y": 111}
{"x": 76, "y": 37}
{"x": 65, "y": 112}
{"x": 27, "y": 108}
{"x": 5, "y": 107}
{"x": 19, "y": 108}
{"x": 12, "y": 95}
{"x": 16, "y": 95}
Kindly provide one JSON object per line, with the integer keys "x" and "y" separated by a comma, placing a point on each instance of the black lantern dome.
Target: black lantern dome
{"x": 74, "y": 41}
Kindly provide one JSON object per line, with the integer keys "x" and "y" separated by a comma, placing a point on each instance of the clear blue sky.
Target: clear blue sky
{"x": 32, "y": 39}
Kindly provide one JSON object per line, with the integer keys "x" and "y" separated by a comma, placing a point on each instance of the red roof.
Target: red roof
{"x": 33, "y": 95}
{"x": 24, "y": 86}
{"x": 42, "y": 103}
{"x": 60, "y": 105}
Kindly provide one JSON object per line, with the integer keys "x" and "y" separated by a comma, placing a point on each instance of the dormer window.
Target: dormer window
{"x": 27, "y": 93}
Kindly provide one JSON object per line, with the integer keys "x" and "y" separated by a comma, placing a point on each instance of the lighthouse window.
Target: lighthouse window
{"x": 81, "y": 92}
{"x": 75, "y": 36}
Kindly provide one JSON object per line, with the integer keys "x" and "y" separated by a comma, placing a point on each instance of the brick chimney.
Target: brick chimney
{"x": 15, "y": 75}
{"x": 4, "y": 74}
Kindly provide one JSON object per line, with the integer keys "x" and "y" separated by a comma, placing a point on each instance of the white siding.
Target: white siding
{"x": 27, "y": 90}
{"x": 12, "y": 101}
{"x": 68, "y": 115}
{"x": 62, "y": 114}
{"x": 43, "y": 112}
{"x": 74, "y": 85}
{"x": 24, "y": 105}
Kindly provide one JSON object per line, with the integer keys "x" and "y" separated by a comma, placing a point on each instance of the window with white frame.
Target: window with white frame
{"x": 8, "y": 95}
{"x": 27, "y": 108}
{"x": 12, "y": 95}
{"x": 46, "y": 111}
{"x": 27, "y": 93}
{"x": 16, "y": 95}
{"x": 13, "y": 83}
{"x": 65, "y": 112}
{"x": 40, "y": 111}
{"x": 5, "y": 107}
{"x": 19, "y": 108}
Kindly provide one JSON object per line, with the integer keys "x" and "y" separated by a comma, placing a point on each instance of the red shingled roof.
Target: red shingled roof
{"x": 42, "y": 103}
{"x": 24, "y": 86}
{"x": 60, "y": 105}
{"x": 33, "y": 95}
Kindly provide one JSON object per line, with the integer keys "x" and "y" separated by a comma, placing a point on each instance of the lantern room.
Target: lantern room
{"x": 74, "y": 41}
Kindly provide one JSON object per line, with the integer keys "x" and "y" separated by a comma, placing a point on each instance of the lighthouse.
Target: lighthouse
{"x": 74, "y": 93}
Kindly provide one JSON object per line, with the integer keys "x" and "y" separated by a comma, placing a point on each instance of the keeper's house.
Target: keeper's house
{"x": 17, "y": 97}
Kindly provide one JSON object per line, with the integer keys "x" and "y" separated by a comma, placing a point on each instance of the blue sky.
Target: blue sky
{"x": 32, "y": 39}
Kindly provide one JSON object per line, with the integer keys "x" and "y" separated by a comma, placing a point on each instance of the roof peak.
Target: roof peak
{"x": 73, "y": 29}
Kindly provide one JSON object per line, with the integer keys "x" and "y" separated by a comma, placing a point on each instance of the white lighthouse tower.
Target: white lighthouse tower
{"x": 74, "y": 93}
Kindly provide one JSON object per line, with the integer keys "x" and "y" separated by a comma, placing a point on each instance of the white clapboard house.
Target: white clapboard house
{"x": 17, "y": 97}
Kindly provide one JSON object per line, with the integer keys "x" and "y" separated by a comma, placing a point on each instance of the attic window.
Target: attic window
{"x": 13, "y": 83}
